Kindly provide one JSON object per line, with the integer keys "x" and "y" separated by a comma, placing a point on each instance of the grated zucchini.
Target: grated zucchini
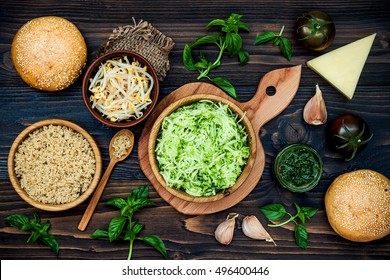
{"x": 202, "y": 148}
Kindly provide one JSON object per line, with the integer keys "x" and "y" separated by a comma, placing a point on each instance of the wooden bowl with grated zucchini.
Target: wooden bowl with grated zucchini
{"x": 202, "y": 148}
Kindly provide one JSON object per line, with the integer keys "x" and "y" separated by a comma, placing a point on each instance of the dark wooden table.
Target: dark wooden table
{"x": 189, "y": 237}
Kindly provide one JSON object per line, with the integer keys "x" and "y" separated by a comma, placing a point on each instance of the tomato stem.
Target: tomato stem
{"x": 354, "y": 141}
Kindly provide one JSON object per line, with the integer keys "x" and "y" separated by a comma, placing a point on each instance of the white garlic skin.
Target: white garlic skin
{"x": 314, "y": 111}
{"x": 252, "y": 228}
{"x": 225, "y": 230}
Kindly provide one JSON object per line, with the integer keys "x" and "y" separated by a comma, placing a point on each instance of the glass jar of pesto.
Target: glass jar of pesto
{"x": 298, "y": 167}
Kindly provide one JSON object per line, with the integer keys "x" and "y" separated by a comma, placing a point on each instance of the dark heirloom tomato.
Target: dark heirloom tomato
{"x": 348, "y": 134}
{"x": 315, "y": 30}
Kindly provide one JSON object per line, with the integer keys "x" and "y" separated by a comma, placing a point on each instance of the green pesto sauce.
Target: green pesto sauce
{"x": 298, "y": 167}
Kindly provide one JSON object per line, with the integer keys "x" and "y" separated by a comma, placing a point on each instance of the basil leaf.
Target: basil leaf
{"x": 38, "y": 230}
{"x": 229, "y": 41}
{"x": 188, "y": 61}
{"x": 243, "y": 56}
{"x": 36, "y": 219}
{"x": 118, "y": 202}
{"x": 233, "y": 42}
{"x": 309, "y": 211}
{"x": 225, "y": 85}
{"x": 243, "y": 26}
{"x": 125, "y": 227}
{"x": 286, "y": 48}
{"x": 203, "y": 59}
{"x": 44, "y": 228}
{"x": 201, "y": 65}
{"x": 99, "y": 233}
{"x": 27, "y": 226}
{"x": 115, "y": 227}
{"x": 297, "y": 207}
{"x": 130, "y": 236}
{"x": 232, "y": 23}
{"x": 137, "y": 227}
{"x": 216, "y": 22}
{"x": 50, "y": 241}
{"x": 139, "y": 203}
{"x": 18, "y": 220}
{"x": 34, "y": 236}
{"x": 226, "y": 29}
{"x": 131, "y": 198}
{"x": 277, "y": 41}
{"x": 207, "y": 39}
{"x": 273, "y": 212}
{"x": 216, "y": 64}
{"x": 264, "y": 37}
{"x": 127, "y": 210}
{"x": 234, "y": 17}
{"x": 156, "y": 242}
{"x": 140, "y": 192}
{"x": 301, "y": 236}
{"x": 300, "y": 214}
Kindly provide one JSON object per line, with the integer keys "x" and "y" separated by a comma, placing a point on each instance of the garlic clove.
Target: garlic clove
{"x": 314, "y": 111}
{"x": 252, "y": 228}
{"x": 225, "y": 230}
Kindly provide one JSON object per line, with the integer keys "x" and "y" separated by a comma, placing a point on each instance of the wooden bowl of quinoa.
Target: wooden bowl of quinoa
{"x": 54, "y": 165}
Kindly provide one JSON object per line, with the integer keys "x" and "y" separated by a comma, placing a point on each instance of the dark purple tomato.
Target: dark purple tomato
{"x": 315, "y": 30}
{"x": 348, "y": 134}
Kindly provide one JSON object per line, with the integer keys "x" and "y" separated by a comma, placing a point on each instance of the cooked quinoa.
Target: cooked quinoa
{"x": 55, "y": 164}
{"x": 121, "y": 144}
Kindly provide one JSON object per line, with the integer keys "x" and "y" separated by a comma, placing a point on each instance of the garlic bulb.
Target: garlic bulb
{"x": 252, "y": 228}
{"x": 314, "y": 111}
{"x": 225, "y": 230}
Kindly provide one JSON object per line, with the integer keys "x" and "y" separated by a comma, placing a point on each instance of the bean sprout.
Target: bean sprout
{"x": 121, "y": 90}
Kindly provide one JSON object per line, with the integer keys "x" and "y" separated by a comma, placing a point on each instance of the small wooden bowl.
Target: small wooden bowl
{"x": 186, "y": 101}
{"x": 93, "y": 68}
{"x": 15, "y": 181}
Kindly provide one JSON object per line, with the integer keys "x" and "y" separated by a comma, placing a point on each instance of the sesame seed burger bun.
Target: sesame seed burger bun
{"x": 49, "y": 53}
{"x": 357, "y": 204}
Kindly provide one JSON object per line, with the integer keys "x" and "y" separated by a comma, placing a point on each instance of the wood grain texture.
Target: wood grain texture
{"x": 188, "y": 237}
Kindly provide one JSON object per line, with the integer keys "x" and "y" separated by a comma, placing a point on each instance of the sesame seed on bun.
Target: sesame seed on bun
{"x": 357, "y": 204}
{"x": 49, "y": 53}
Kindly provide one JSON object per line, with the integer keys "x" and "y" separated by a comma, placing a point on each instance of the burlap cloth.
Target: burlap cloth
{"x": 145, "y": 40}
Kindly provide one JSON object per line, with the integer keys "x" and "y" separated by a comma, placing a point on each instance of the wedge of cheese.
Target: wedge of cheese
{"x": 342, "y": 67}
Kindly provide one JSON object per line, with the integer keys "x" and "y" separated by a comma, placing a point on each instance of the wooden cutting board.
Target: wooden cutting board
{"x": 281, "y": 85}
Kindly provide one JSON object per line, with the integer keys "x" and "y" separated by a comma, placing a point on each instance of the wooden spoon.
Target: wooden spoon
{"x": 103, "y": 181}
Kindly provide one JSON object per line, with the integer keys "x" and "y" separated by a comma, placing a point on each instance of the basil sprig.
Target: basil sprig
{"x": 124, "y": 227}
{"x": 276, "y": 212}
{"x": 39, "y": 231}
{"x": 283, "y": 43}
{"x": 229, "y": 41}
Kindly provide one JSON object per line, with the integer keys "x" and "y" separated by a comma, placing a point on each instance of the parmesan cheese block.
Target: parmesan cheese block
{"x": 342, "y": 67}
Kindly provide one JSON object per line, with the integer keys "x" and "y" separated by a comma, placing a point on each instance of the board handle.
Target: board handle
{"x": 281, "y": 85}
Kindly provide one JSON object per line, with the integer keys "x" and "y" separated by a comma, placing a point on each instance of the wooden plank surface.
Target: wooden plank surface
{"x": 191, "y": 237}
